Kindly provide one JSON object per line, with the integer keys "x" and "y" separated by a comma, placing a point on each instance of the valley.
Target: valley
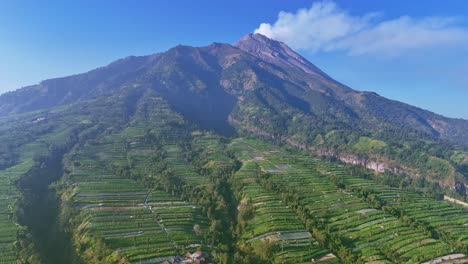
{"x": 243, "y": 153}
{"x": 137, "y": 194}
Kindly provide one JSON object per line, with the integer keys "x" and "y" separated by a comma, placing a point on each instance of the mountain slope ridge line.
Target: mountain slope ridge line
{"x": 263, "y": 84}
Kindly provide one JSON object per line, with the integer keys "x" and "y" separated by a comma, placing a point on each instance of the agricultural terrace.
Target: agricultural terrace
{"x": 8, "y": 195}
{"x": 371, "y": 233}
{"x": 31, "y": 134}
{"x": 272, "y": 222}
{"x": 447, "y": 220}
{"x": 146, "y": 226}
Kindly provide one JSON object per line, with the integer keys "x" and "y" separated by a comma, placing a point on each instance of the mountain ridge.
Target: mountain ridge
{"x": 259, "y": 84}
{"x": 238, "y": 44}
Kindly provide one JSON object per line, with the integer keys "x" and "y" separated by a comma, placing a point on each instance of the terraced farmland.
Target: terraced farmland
{"x": 143, "y": 225}
{"x": 180, "y": 167}
{"x": 372, "y": 234}
{"x": 274, "y": 223}
{"x": 30, "y": 144}
{"x": 445, "y": 219}
{"x": 138, "y": 194}
{"x": 9, "y": 194}
{"x": 183, "y": 222}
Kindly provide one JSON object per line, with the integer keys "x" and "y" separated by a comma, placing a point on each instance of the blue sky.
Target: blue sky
{"x": 411, "y": 51}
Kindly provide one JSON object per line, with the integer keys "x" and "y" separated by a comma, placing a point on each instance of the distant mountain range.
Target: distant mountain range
{"x": 259, "y": 86}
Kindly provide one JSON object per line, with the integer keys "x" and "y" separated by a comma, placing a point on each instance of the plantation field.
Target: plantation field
{"x": 148, "y": 192}
{"x": 180, "y": 167}
{"x": 8, "y": 195}
{"x": 28, "y": 147}
{"x": 374, "y": 234}
{"x": 274, "y": 223}
{"x": 147, "y": 226}
{"x": 443, "y": 217}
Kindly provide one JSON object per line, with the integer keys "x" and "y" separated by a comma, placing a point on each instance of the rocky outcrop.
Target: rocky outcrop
{"x": 375, "y": 165}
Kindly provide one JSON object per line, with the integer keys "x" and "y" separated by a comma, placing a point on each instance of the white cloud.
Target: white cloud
{"x": 326, "y": 27}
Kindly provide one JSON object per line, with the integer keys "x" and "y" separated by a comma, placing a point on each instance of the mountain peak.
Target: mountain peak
{"x": 275, "y": 52}
{"x": 255, "y": 37}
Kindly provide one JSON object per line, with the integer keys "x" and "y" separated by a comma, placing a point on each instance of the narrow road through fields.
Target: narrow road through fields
{"x": 453, "y": 200}
{"x": 453, "y": 257}
{"x": 300, "y": 234}
{"x": 163, "y": 229}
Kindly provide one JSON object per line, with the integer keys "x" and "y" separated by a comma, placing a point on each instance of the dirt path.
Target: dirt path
{"x": 444, "y": 258}
{"x": 163, "y": 229}
{"x": 327, "y": 256}
{"x": 279, "y": 233}
{"x": 453, "y": 200}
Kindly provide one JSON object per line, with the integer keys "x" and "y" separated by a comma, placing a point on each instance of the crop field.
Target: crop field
{"x": 274, "y": 222}
{"x": 8, "y": 196}
{"x": 147, "y": 226}
{"x": 213, "y": 147}
{"x": 133, "y": 232}
{"x": 180, "y": 167}
{"x": 107, "y": 172}
{"x": 179, "y": 219}
{"x": 444, "y": 217}
{"x": 372, "y": 233}
{"x": 9, "y": 176}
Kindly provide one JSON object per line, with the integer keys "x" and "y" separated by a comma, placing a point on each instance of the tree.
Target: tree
{"x": 197, "y": 230}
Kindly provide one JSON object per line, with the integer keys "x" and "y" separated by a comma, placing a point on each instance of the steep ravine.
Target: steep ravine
{"x": 39, "y": 209}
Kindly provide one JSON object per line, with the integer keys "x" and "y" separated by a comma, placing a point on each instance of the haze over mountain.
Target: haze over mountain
{"x": 261, "y": 86}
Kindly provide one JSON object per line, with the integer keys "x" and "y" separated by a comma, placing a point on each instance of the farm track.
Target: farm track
{"x": 163, "y": 229}
{"x": 454, "y": 257}
{"x": 301, "y": 234}
{"x": 453, "y": 200}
